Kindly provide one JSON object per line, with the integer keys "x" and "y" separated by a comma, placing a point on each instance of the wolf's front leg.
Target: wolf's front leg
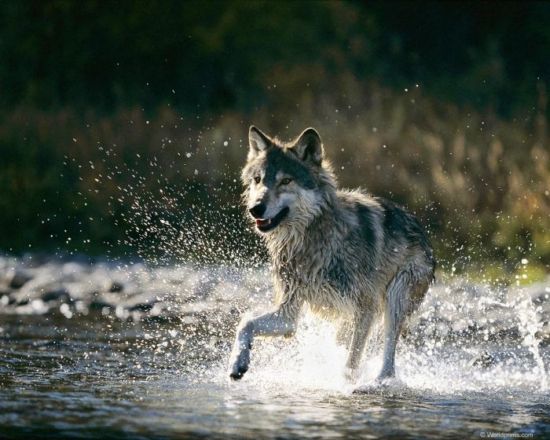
{"x": 281, "y": 322}
{"x": 362, "y": 325}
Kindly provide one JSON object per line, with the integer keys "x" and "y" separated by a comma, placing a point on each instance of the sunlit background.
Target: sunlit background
{"x": 126, "y": 258}
{"x": 104, "y": 105}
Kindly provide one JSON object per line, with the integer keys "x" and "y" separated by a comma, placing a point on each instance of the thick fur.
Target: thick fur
{"x": 344, "y": 253}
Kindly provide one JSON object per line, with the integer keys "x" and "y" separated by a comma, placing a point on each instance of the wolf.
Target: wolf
{"x": 351, "y": 257}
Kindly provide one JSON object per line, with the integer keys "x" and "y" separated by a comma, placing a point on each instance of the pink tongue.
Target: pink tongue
{"x": 261, "y": 222}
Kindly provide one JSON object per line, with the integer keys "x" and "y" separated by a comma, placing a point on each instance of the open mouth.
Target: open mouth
{"x": 268, "y": 224}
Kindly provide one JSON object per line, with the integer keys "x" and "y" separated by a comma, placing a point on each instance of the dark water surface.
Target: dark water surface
{"x": 100, "y": 351}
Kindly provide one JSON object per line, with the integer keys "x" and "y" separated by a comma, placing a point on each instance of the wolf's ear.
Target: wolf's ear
{"x": 309, "y": 146}
{"x": 257, "y": 142}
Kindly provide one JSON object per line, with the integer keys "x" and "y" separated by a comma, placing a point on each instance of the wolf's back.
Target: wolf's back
{"x": 402, "y": 227}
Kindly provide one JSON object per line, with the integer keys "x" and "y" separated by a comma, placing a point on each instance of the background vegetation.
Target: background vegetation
{"x": 123, "y": 124}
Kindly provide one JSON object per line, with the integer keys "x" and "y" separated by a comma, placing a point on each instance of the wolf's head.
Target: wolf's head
{"x": 286, "y": 183}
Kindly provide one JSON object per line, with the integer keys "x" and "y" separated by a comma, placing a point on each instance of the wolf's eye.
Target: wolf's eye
{"x": 257, "y": 179}
{"x": 286, "y": 181}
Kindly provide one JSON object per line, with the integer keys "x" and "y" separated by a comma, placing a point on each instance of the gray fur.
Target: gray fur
{"x": 345, "y": 253}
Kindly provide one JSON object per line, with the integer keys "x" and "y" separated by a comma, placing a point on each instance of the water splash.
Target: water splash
{"x": 204, "y": 270}
{"x": 530, "y": 326}
{"x": 466, "y": 339}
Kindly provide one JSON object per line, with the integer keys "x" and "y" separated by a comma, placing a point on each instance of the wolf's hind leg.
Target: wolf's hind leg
{"x": 396, "y": 309}
{"x": 344, "y": 334}
{"x": 361, "y": 330}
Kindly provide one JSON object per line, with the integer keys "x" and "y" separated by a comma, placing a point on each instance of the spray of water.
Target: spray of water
{"x": 442, "y": 357}
{"x": 206, "y": 269}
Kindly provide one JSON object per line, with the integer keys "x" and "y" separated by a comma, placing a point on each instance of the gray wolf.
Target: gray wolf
{"x": 349, "y": 256}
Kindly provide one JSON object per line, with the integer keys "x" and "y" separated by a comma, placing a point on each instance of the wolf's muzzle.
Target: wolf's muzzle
{"x": 258, "y": 210}
{"x": 265, "y": 225}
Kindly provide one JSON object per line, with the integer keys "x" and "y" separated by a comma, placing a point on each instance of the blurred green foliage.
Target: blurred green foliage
{"x": 441, "y": 106}
{"x": 223, "y": 54}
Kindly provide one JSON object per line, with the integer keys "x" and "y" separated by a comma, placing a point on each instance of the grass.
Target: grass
{"x": 479, "y": 183}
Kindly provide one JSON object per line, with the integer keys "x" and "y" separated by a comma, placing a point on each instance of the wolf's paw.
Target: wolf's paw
{"x": 386, "y": 375}
{"x": 240, "y": 365}
{"x": 381, "y": 385}
{"x": 366, "y": 389}
{"x": 237, "y": 374}
{"x": 386, "y": 381}
{"x": 351, "y": 374}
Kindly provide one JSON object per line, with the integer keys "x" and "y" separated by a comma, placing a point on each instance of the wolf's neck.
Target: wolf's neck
{"x": 310, "y": 231}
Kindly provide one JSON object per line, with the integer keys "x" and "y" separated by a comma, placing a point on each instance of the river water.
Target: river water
{"x": 113, "y": 350}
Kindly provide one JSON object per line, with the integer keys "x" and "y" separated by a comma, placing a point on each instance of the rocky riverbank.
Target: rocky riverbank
{"x": 187, "y": 293}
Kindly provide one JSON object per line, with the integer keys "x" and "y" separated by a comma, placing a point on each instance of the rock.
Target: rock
{"x": 19, "y": 279}
{"x": 4, "y": 292}
{"x": 99, "y": 304}
{"x": 142, "y": 307}
{"x": 56, "y": 294}
{"x": 116, "y": 287}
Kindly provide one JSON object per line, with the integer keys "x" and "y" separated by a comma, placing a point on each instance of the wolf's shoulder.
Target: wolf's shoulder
{"x": 358, "y": 199}
{"x": 363, "y": 214}
{"x": 384, "y": 216}
{"x": 398, "y": 219}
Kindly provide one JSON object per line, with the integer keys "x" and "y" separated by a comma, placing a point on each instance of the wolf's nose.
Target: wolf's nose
{"x": 258, "y": 210}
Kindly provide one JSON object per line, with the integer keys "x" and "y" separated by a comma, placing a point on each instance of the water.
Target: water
{"x": 130, "y": 351}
